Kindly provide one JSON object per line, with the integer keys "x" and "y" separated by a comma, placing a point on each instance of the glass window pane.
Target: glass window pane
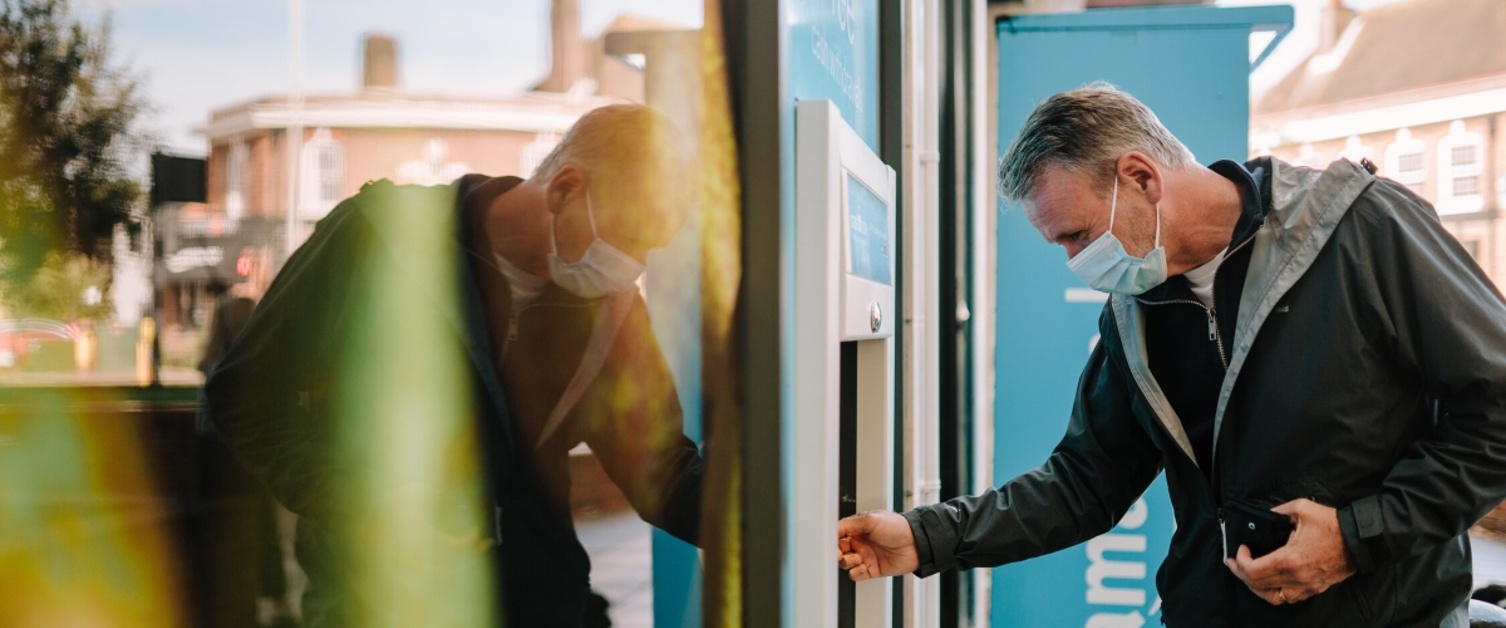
{"x": 1466, "y": 185}
{"x": 1463, "y": 155}
{"x": 1409, "y": 162}
{"x": 345, "y": 357}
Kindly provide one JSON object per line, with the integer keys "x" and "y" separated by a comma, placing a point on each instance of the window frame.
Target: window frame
{"x": 1449, "y": 201}
{"x": 322, "y": 174}
{"x": 1403, "y": 147}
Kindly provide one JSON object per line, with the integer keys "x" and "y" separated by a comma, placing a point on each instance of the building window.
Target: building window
{"x": 323, "y": 171}
{"x": 1404, "y": 161}
{"x": 235, "y": 181}
{"x": 1463, "y": 155}
{"x": 1410, "y": 163}
{"x": 435, "y": 166}
{"x": 1459, "y": 171}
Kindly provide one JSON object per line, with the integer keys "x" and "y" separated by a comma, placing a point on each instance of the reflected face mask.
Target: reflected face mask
{"x": 603, "y": 270}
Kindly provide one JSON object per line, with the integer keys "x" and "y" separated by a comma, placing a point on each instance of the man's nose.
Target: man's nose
{"x": 1073, "y": 250}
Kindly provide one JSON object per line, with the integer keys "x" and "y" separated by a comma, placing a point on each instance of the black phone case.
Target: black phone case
{"x": 1259, "y": 529}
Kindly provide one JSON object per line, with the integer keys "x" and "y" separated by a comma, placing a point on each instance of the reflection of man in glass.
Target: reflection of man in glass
{"x": 560, "y": 353}
{"x": 233, "y": 308}
{"x": 235, "y": 546}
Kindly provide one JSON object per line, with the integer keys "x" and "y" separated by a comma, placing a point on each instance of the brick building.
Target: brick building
{"x": 1419, "y": 88}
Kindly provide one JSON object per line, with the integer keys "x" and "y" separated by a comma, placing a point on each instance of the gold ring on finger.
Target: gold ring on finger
{"x": 1281, "y": 593}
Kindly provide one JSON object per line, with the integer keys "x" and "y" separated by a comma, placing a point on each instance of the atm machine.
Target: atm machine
{"x": 843, "y": 362}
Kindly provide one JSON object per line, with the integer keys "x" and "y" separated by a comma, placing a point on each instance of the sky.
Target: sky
{"x": 196, "y": 56}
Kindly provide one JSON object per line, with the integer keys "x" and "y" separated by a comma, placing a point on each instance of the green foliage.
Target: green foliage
{"x": 68, "y": 287}
{"x": 66, "y": 118}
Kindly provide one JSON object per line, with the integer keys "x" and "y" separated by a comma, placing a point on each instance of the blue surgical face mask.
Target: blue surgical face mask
{"x": 603, "y": 270}
{"x": 1107, "y": 267}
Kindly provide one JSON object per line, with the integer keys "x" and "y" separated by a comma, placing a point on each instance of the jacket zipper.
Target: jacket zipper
{"x": 1213, "y": 474}
{"x": 512, "y": 321}
{"x": 1213, "y": 333}
{"x": 512, "y": 333}
{"x": 512, "y": 317}
{"x": 1216, "y": 336}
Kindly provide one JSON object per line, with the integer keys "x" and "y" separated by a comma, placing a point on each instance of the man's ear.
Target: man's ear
{"x": 564, "y": 187}
{"x": 1143, "y": 172}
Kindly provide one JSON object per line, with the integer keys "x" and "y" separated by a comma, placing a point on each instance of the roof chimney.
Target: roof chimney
{"x": 1336, "y": 18}
{"x": 379, "y": 62}
{"x": 566, "y": 47}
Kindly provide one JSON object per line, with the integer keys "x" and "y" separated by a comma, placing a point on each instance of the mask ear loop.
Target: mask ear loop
{"x": 554, "y": 248}
{"x": 590, "y": 216}
{"x": 1158, "y": 225}
{"x": 1114, "y": 203}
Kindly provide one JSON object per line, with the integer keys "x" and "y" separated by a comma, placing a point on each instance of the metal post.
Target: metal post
{"x": 295, "y": 120}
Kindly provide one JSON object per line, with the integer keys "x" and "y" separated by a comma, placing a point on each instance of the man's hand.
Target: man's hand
{"x": 1312, "y": 560}
{"x": 876, "y": 544}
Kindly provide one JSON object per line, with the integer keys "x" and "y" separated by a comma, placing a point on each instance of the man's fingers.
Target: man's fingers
{"x": 1235, "y": 569}
{"x": 1262, "y": 572}
{"x": 859, "y": 573}
{"x": 1243, "y": 559}
{"x": 1267, "y": 579}
{"x": 1292, "y": 508}
{"x": 856, "y": 525}
{"x": 1279, "y": 570}
{"x": 1276, "y": 597}
{"x": 1256, "y": 572}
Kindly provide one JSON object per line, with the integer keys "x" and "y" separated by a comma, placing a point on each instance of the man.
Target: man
{"x": 1310, "y": 342}
{"x": 558, "y": 344}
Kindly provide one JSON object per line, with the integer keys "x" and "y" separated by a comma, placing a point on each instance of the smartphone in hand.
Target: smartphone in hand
{"x": 1259, "y": 529}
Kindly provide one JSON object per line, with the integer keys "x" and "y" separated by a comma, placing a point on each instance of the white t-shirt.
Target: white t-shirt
{"x": 525, "y": 286}
{"x": 1201, "y": 279}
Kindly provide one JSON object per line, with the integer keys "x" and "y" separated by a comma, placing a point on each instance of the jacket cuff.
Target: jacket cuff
{"x": 1363, "y": 528}
{"x": 931, "y": 535}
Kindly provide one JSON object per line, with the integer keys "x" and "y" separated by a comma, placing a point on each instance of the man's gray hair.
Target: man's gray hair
{"x": 1086, "y": 130}
{"x": 629, "y": 149}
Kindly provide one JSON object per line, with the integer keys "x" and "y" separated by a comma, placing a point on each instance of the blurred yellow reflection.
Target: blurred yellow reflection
{"x": 83, "y": 542}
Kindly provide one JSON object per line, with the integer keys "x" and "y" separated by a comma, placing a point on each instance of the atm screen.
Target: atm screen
{"x": 868, "y": 232}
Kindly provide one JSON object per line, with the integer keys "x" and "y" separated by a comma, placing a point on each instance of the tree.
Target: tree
{"x": 68, "y": 287}
{"x": 66, "y": 124}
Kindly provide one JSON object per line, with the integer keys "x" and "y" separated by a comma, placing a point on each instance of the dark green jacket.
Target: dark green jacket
{"x": 1367, "y": 372}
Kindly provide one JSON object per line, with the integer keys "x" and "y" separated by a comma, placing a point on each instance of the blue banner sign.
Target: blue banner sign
{"x": 834, "y": 55}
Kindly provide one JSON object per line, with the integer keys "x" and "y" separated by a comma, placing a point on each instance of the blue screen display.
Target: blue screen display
{"x": 867, "y": 232}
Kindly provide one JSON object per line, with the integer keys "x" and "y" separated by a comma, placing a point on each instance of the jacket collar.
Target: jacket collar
{"x": 1254, "y": 203}
{"x": 1303, "y": 208}
{"x": 475, "y": 193}
{"x": 471, "y": 190}
{"x": 1253, "y": 180}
